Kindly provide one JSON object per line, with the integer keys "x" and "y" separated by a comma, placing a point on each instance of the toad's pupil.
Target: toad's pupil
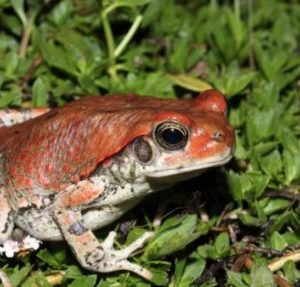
{"x": 172, "y": 136}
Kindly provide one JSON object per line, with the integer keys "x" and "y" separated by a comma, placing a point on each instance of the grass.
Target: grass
{"x": 55, "y": 51}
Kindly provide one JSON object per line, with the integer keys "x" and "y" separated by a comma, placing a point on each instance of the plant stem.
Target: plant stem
{"x": 237, "y": 9}
{"x": 250, "y": 33}
{"x": 25, "y": 39}
{"x": 128, "y": 36}
{"x": 109, "y": 39}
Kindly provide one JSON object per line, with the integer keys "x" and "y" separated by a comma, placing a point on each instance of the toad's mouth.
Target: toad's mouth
{"x": 194, "y": 170}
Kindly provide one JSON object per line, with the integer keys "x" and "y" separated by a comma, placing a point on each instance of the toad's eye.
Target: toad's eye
{"x": 171, "y": 135}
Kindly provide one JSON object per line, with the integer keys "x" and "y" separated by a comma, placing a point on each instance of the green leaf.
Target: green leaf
{"x": 272, "y": 163}
{"x": 188, "y": 270}
{"x": 278, "y": 242}
{"x": 208, "y": 251}
{"x": 55, "y": 258}
{"x": 190, "y": 83}
{"x": 261, "y": 276}
{"x": 18, "y": 6}
{"x": 172, "y": 239}
{"x": 57, "y": 57}
{"x": 19, "y": 275}
{"x": 40, "y": 280}
{"x": 11, "y": 63}
{"x": 291, "y": 166}
{"x": 261, "y": 124}
{"x": 291, "y": 272}
{"x": 235, "y": 85}
{"x": 271, "y": 64}
{"x": 40, "y": 92}
{"x": 61, "y": 12}
{"x": 73, "y": 272}
{"x": 235, "y": 279}
{"x": 9, "y": 97}
{"x": 250, "y": 220}
{"x": 86, "y": 281}
{"x": 247, "y": 186}
{"x": 237, "y": 28}
{"x": 192, "y": 271}
{"x": 274, "y": 205}
{"x": 131, "y": 2}
{"x": 222, "y": 243}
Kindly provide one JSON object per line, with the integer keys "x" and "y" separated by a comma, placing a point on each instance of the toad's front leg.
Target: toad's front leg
{"x": 92, "y": 255}
{"x": 95, "y": 256}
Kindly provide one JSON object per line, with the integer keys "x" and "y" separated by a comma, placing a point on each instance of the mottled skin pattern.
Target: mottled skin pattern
{"x": 11, "y": 117}
{"x": 77, "y": 168}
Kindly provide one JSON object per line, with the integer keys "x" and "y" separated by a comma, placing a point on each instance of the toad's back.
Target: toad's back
{"x": 66, "y": 144}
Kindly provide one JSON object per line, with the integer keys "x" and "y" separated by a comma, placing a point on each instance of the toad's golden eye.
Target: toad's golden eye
{"x": 171, "y": 135}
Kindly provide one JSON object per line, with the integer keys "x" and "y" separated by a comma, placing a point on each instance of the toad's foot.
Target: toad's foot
{"x": 95, "y": 256}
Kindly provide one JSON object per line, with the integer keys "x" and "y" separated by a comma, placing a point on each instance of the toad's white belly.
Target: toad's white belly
{"x": 40, "y": 224}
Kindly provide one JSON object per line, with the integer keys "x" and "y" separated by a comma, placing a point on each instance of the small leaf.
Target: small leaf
{"x": 272, "y": 163}
{"x": 11, "y": 63}
{"x": 291, "y": 272}
{"x": 291, "y": 165}
{"x": 18, "y": 6}
{"x": 131, "y": 3}
{"x": 190, "y": 83}
{"x": 222, "y": 243}
{"x": 54, "y": 258}
{"x": 61, "y": 12}
{"x": 172, "y": 239}
{"x": 192, "y": 271}
{"x": 235, "y": 279}
{"x": 18, "y": 276}
{"x": 249, "y": 220}
{"x": 57, "y": 57}
{"x": 274, "y": 205}
{"x": 236, "y": 85}
{"x": 208, "y": 251}
{"x": 261, "y": 276}
{"x": 40, "y": 93}
{"x": 86, "y": 281}
{"x": 278, "y": 242}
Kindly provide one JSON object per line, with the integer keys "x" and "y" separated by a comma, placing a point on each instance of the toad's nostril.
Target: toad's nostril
{"x": 218, "y": 136}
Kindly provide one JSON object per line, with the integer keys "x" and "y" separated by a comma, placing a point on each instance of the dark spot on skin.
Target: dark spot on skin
{"x": 87, "y": 255}
{"x": 24, "y": 209}
{"x": 16, "y": 132}
{"x": 77, "y": 229}
{"x": 142, "y": 150}
{"x": 51, "y": 197}
{"x": 100, "y": 248}
{"x": 94, "y": 258}
{"x": 7, "y": 223}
